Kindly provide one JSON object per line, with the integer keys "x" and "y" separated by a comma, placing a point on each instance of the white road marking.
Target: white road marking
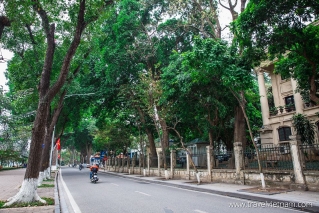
{"x": 199, "y": 211}
{"x": 75, "y": 207}
{"x": 114, "y": 184}
{"x": 143, "y": 193}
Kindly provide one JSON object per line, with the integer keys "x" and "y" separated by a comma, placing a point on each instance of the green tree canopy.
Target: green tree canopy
{"x": 287, "y": 30}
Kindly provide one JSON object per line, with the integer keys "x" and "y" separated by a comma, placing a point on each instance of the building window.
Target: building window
{"x": 284, "y": 133}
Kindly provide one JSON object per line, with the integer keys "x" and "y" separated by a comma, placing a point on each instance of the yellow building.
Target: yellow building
{"x": 277, "y": 127}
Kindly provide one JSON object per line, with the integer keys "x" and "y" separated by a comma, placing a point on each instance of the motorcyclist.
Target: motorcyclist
{"x": 80, "y": 166}
{"x": 93, "y": 168}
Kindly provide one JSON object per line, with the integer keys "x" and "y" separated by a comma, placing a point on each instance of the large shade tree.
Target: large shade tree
{"x": 39, "y": 20}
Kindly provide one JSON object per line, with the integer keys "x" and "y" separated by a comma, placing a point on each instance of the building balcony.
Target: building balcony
{"x": 277, "y": 111}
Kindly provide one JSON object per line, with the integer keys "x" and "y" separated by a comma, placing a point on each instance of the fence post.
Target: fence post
{"x": 209, "y": 162}
{"x": 187, "y": 166}
{"x": 121, "y": 164}
{"x": 238, "y": 152}
{"x": 133, "y": 163}
{"x": 295, "y": 155}
{"x": 159, "y": 157}
{"x": 128, "y": 163}
{"x": 173, "y": 162}
{"x": 149, "y": 163}
{"x": 141, "y": 163}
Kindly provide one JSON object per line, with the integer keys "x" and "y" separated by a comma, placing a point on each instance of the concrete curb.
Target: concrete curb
{"x": 294, "y": 205}
{"x": 63, "y": 205}
{"x": 56, "y": 194}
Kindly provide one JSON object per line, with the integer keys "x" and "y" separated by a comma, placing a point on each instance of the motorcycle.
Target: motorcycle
{"x": 94, "y": 177}
{"x": 80, "y": 167}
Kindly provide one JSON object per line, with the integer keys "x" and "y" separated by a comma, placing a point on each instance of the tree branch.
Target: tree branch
{"x": 223, "y": 5}
{"x": 44, "y": 17}
{"x": 30, "y": 34}
{"x": 4, "y": 22}
{"x": 81, "y": 24}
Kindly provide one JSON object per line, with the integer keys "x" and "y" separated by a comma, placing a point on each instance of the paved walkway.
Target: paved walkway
{"x": 10, "y": 183}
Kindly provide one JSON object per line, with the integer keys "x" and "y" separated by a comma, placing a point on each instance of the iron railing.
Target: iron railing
{"x": 272, "y": 157}
{"x": 153, "y": 161}
{"x": 224, "y": 159}
{"x": 309, "y": 154}
{"x": 200, "y": 160}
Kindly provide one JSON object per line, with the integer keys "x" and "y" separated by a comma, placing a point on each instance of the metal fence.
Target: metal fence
{"x": 200, "y": 160}
{"x": 309, "y": 154}
{"x": 272, "y": 157}
{"x": 168, "y": 162}
{"x": 224, "y": 159}
{"x": 181, "y": 162}
{"x": 153, "y": 161}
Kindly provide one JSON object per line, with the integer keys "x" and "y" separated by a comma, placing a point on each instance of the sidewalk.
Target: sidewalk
{"x": 303, "y": 200}
{"x": 10, "y": 183}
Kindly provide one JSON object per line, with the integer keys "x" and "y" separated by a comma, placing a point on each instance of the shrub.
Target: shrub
{"x": 304, "y": 128}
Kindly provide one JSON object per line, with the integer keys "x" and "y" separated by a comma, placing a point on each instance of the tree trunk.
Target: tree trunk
{"x": 152, "y": 145}
{"x": 88, "y": 152}
{"x": 211, "y": 144}
{"x": 148, "y": 132}
{"x": 28, "y": 191}
{"x": 151, "y": 141}
{"x": 240, "y": 127}
{"x": 164, "y": 141}
{"x": 45, "y": 157}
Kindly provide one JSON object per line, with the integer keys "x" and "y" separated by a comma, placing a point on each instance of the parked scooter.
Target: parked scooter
{"x": 94, "y": 178}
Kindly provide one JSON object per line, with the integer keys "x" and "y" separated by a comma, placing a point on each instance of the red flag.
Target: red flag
{"x": 58, "y": 144}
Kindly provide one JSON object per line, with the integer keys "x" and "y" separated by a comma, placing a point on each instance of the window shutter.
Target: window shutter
{"x": 284, "y": 133}
{"x": 281, "y": 134}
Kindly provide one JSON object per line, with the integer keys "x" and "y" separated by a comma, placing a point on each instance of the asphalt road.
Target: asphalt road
{"x": 113, "y": 194}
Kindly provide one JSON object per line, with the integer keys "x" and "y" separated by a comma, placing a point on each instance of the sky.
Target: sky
{"x": 3, "y": 66}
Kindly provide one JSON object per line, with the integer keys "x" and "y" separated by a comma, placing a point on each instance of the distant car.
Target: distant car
{"x": 222, "y": 157}
{"x": 88, "y": 165}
